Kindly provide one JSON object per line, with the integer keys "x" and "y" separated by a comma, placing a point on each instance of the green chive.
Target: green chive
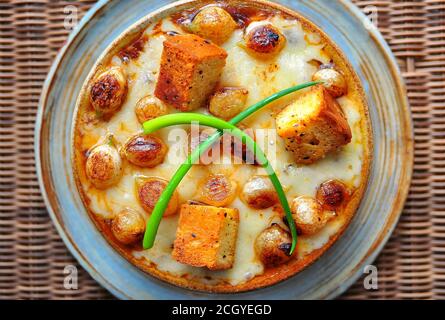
{"x": 161, "y": 205}
{"x": 188, "y": 118}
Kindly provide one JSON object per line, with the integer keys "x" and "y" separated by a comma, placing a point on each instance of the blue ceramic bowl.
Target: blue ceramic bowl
{"x": 341, "y": 265}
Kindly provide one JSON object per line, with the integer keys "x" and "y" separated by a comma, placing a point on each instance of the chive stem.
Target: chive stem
{"x": 161, "y": 205}
{"x": 221, "y": 125}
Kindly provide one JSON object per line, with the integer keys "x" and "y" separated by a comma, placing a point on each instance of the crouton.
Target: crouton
{"x": 190, "y": 70}
{"x": 206, "y": 236}
{"x": 313, "y": 126}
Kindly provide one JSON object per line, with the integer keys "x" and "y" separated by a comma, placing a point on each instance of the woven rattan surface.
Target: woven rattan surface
{"x": 32, "y": 255}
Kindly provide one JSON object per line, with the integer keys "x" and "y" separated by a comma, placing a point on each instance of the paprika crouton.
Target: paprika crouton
{"x": 206, "y": 236}
{"x": 190, "y": 70}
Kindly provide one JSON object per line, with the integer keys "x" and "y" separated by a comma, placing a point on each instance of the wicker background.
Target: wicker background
{"x": 32, "y": 256}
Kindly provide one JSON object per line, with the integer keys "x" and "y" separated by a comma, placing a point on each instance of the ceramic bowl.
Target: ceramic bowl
{"x": 341, "y": 265}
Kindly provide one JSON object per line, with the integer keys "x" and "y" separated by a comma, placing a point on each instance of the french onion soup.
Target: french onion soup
{"x": 224, "y": 228}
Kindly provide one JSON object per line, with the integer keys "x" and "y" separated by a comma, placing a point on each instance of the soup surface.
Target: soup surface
{"x": 305, "y": 52}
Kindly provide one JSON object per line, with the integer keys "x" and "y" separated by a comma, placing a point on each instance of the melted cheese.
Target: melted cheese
{"x": 261, "y": 79}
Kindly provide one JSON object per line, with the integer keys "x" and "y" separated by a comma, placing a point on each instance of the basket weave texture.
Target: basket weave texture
{"x": 32, "y": 255}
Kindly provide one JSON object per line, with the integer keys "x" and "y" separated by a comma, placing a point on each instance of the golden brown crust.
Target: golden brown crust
{"x": 134, "y": 50}
{"x": 227, "y": 102}
{"x": 103, "y": 166}
{"x": 213, "y": 23}
{"x": 149, "y": 189}
{"x": 333, "y": 81}
{"x": 217, "y": 190}
{"x": 190, "y": 70}
{"x": 259, "y": 193}
{"x": 332, "y": 194}
{"x": 308, "y": 215}
{"x": 273, "y": 246}
{"x": 108, "y": 91}
{"x": 145, "y": 151}
{"x": 103, "y": 90}
{"x": 128, "y": 226}
{"x": 148, "y": 108}
{"x": 265, "y": 41}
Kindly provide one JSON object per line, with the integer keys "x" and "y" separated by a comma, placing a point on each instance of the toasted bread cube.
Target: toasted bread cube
{"x": 313, "y": 126}
{"x": 206, "y": 236}
{"x": 190, "y": 70}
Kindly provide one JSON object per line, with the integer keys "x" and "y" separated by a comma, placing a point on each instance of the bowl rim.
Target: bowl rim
{"x": 379, "y": 242}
